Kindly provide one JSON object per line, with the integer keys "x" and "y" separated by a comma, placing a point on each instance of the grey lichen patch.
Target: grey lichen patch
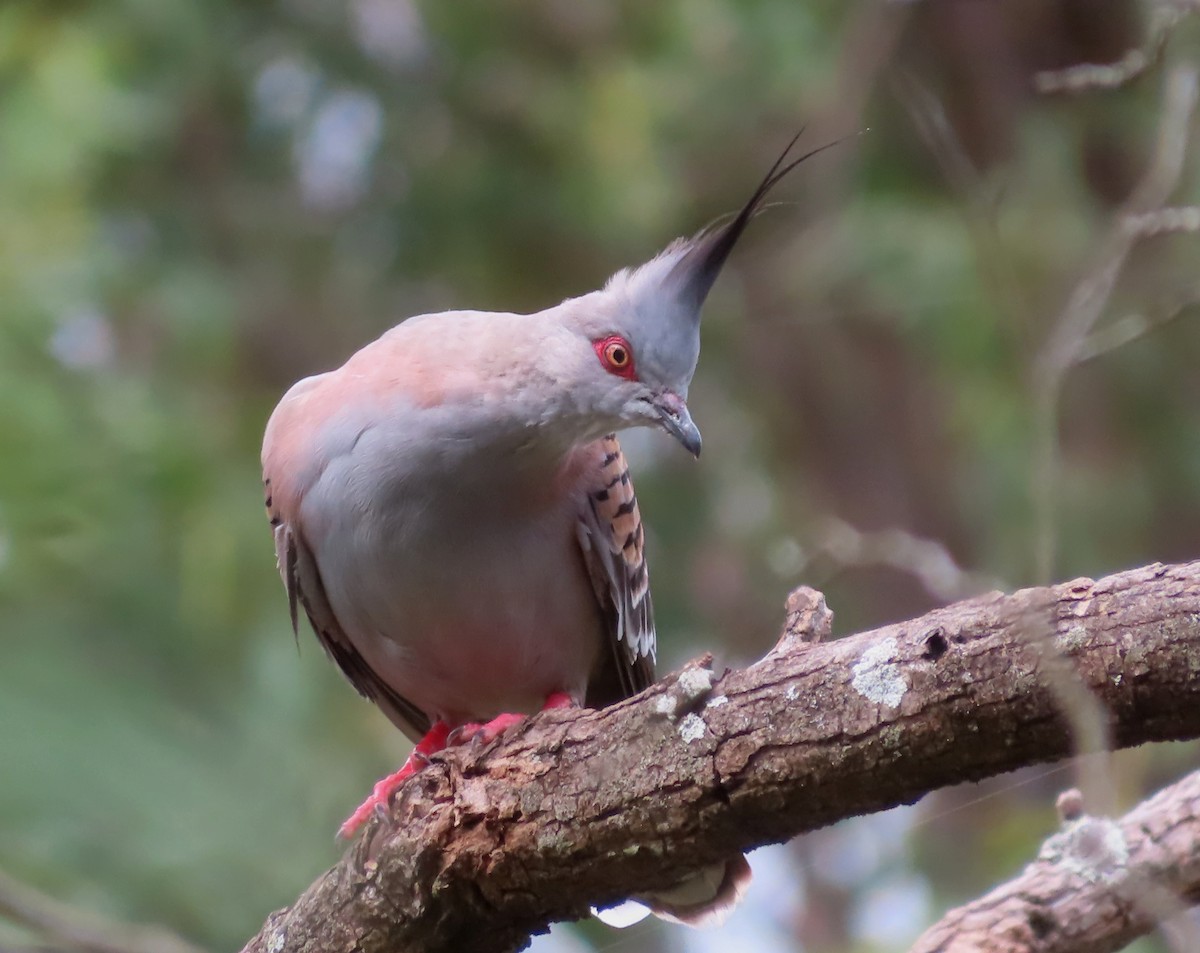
{"x": 717, "y": 701}
{"x": 878, "y": 677}
{"x": 277, "y": 940}
{"x": 693, "y": 684}
{"x": 1074, "y": 638}
{"x": 891, "y": 737}
{"x": 1024, "y": 682}
{"x": 1092, "y": 847}
{"x": 552, "y": 841}
{"x": 792, "y": 692}
{"x": 564, "y": 809}
{"x": 691, "y": 727}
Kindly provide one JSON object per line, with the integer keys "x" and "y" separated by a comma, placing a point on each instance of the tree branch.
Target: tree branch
{"x": 587, "y": 807}
{"x": 1095, "y": 886}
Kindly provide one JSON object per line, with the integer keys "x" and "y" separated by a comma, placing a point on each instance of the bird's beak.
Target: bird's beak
{"x": 677, "y": 421}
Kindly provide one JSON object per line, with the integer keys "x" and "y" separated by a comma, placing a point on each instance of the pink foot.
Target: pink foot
{"x": 489, "y": 731}
{"x": 486, "y": 731}
{"x": 381, "y": 794}
{"x": 437, "y": 738}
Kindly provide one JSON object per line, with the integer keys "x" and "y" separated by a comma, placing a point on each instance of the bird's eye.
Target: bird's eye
{"x": 616, "y": 355}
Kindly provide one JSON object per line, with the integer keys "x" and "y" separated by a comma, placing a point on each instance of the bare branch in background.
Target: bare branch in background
{"x": 1085, "y": 714}
{"x": 927, "y": 560}
{"x": 1067, "y": 341}
{"x": 64, "y": 928}
{"x": 1164, "y": 221}
{"x": 486, "y": 847}
{"x": 1131, "y": 327}
{"x": 1095, "y": 886}
{"x": 1165, "y": 16}
{"x": 929, "y": 117}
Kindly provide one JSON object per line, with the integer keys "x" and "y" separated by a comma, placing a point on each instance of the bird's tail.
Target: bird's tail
{"x": 705, "y": 899}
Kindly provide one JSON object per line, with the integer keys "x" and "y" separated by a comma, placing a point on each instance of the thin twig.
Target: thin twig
{"x": 1086, "y": 303}
{"x": 1164, "y": 221}
{"x": 927, "y": 560}
{"x": 934, "y": 127}
{"x": 1086, "y": 715}
{"x": 1131, "y": 327}
{"x": 1085, "y": 77}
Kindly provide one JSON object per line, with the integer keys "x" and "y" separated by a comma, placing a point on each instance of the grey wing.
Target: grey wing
{"x": 302, "y": 580}
{"x": 613, "y": 543}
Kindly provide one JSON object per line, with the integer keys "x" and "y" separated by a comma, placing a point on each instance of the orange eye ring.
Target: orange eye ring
{"x": 616, "y": 355}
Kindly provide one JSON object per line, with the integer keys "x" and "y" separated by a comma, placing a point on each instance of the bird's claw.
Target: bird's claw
{"x": 380, "y": 801}
{"x": 485, "y": 731}
{"x": 490, "y": 730}
{"x": 438, "y": 737}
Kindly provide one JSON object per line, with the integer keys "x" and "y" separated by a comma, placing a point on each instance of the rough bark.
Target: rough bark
{"x": 1095, "y": 886}
{"x": 486, "y": 847}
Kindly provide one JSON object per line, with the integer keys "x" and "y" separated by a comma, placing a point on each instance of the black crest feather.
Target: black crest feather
{"x": 695, "y": 272}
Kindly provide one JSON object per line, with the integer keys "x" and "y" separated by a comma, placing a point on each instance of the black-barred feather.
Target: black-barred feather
{"x": 613, "y": 543}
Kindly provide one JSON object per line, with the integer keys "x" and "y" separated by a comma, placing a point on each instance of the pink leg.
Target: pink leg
{"x": 437, "y": 738}
{"x": 381, "y": 795}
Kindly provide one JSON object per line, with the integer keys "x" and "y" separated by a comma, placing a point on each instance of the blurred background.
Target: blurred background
{"x": 202, "y": 202}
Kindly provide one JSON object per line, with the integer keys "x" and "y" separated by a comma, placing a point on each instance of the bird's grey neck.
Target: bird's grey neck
{"x": 541, "y": 436}
{"x": 530, "y": 437}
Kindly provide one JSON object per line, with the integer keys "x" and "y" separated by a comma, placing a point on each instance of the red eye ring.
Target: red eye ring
{"x": 616, "y": 355}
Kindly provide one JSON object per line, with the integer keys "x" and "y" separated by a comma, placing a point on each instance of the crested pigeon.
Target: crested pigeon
{"x": 453, "y": 512}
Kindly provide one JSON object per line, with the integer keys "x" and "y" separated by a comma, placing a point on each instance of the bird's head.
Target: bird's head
{"x": 643, "y": 328}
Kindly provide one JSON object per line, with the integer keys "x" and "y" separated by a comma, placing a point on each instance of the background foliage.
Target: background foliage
{"x": 202, "y": 202}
